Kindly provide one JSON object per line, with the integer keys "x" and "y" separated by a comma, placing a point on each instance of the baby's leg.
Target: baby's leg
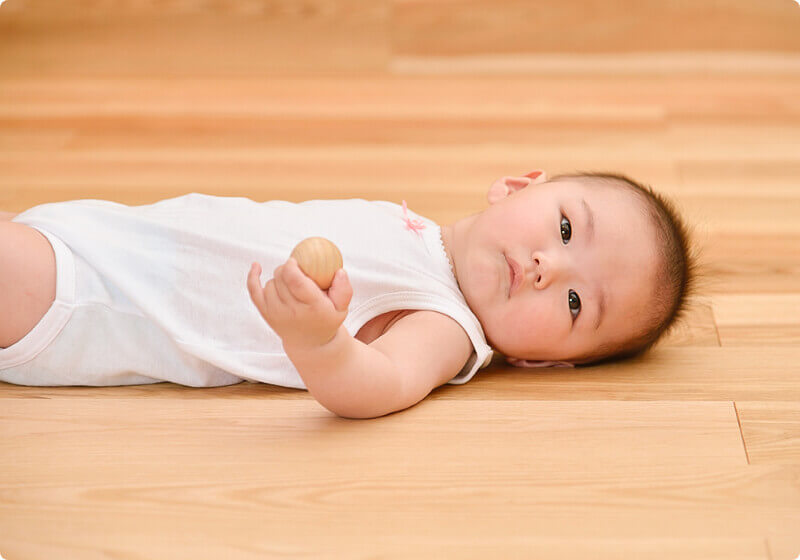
{"x": 7, "y": 215}
{"x": 27, "y": 280}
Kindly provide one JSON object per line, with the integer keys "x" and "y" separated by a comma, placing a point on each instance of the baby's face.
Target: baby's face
{"x": 554, "y": 311}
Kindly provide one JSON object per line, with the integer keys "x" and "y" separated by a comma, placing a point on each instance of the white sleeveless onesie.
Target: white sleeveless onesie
{"x": 158, "y": 292}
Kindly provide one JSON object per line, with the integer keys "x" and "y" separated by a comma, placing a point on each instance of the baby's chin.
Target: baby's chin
{"x": 539, "y": 363}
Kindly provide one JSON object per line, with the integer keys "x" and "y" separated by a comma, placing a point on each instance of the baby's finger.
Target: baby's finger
{"x": 271, "y": 296}
{"x": 281, "y": 288}
{"x": 302, "y": 287}
{"x": 254, "y": 287}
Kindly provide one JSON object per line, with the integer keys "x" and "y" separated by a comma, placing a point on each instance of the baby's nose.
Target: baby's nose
{"x": 535, "y": 273}
{"x": 539, "y": 272}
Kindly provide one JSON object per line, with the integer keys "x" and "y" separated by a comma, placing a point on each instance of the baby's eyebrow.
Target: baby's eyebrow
{"x": 590, "y": 238}
{"x": 589, "y": 220}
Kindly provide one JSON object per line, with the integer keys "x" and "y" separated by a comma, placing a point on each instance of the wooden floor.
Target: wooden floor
{"x": 692, "y": 452}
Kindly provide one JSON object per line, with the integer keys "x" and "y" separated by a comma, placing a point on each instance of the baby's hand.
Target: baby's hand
{"x": 296, "y": 308}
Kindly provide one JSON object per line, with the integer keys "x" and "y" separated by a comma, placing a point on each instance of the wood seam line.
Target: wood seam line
{"x": 741, "y": 433}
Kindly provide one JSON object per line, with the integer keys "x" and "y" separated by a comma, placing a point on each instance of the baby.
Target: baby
{"x": 579, "y": 269}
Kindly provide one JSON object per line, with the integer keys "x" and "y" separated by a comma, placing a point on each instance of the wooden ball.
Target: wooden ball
{"x": 319, "y": 259}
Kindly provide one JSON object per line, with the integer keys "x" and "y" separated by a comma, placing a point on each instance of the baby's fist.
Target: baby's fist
{"x": 341, "y": 291}
{"x": 302, "y": 314}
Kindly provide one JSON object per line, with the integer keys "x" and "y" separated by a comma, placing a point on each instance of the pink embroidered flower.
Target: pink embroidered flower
{"x": 413, "y": 225}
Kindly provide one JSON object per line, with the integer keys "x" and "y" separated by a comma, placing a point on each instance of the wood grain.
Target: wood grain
{"x": 691, "y": 451}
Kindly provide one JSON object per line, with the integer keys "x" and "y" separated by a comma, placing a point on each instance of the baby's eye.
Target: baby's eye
{"x": 566, "y": 229}
{"x": 573, "y": 300}
{"x": 574, "y": 303}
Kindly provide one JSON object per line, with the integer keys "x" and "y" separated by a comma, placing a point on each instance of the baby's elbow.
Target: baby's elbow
{"x": 359, "y": 414}
{"x": 361, "y": 407}
{"x": 363, "y": 411}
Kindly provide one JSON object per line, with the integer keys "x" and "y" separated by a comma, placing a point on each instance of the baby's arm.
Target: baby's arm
{"x": 428, "y": 349}
{"x": 420, "y": 352}
{"x": 345, "y": 375}
{"x": 348, "y": 377}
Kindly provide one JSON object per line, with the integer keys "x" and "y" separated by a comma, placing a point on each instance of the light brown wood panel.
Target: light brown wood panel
{"x": 681, "y": 373}
{"x": 423, "y": 545}
{"x": 743, "y": 214}
{"x": 698, "y": 327}
{"x": 757, "y": 309}
{"x": 629, "y": 65}
{"x": 752, "y": 262}
{"x": 733, "y": 141}
{"x": 58, "y": 39}
{"x": 689, "y": 452}
{"x": 771, "y": 431}
{"x": 584, "y": 26}
{"x": 577, "y": 97}
{"x": 706, "y": 432}
{"x": 760, "y": 335}
{"x": 443, "y": 190}
{"x": 389, "y": 536}
{"x": 274, "y": 468}
{"x": 770, "y": 179}
{"x": 782, "y": 546}
{"x": 179, "y": 38}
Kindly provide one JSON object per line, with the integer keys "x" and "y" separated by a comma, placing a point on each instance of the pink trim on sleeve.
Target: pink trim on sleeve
{"x": 413, "y": 225}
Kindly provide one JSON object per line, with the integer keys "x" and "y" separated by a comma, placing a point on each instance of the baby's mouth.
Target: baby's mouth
{"x": 510, "y": 276}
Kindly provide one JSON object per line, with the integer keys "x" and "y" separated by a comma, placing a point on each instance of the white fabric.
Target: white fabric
{"x": 158, "y": 292}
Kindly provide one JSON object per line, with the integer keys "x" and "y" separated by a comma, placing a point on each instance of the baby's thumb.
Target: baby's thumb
{"x": 341, "y": 292}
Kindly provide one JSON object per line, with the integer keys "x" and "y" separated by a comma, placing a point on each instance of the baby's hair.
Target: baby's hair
{"x": 677, "y": 272}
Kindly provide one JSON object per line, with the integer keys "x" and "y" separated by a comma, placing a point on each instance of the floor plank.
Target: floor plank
{"x": 273, "y": 465}
{"x": 688, "y": 452}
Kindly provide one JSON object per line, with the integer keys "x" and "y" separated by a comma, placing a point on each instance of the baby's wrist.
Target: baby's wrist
{"x": 305, "y": 348}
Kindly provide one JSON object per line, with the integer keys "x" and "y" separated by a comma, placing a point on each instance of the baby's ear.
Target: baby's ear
{"x": 508, "y": 185}
{"x": 538, "y": 176}
{"x": 516, "y": 362}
